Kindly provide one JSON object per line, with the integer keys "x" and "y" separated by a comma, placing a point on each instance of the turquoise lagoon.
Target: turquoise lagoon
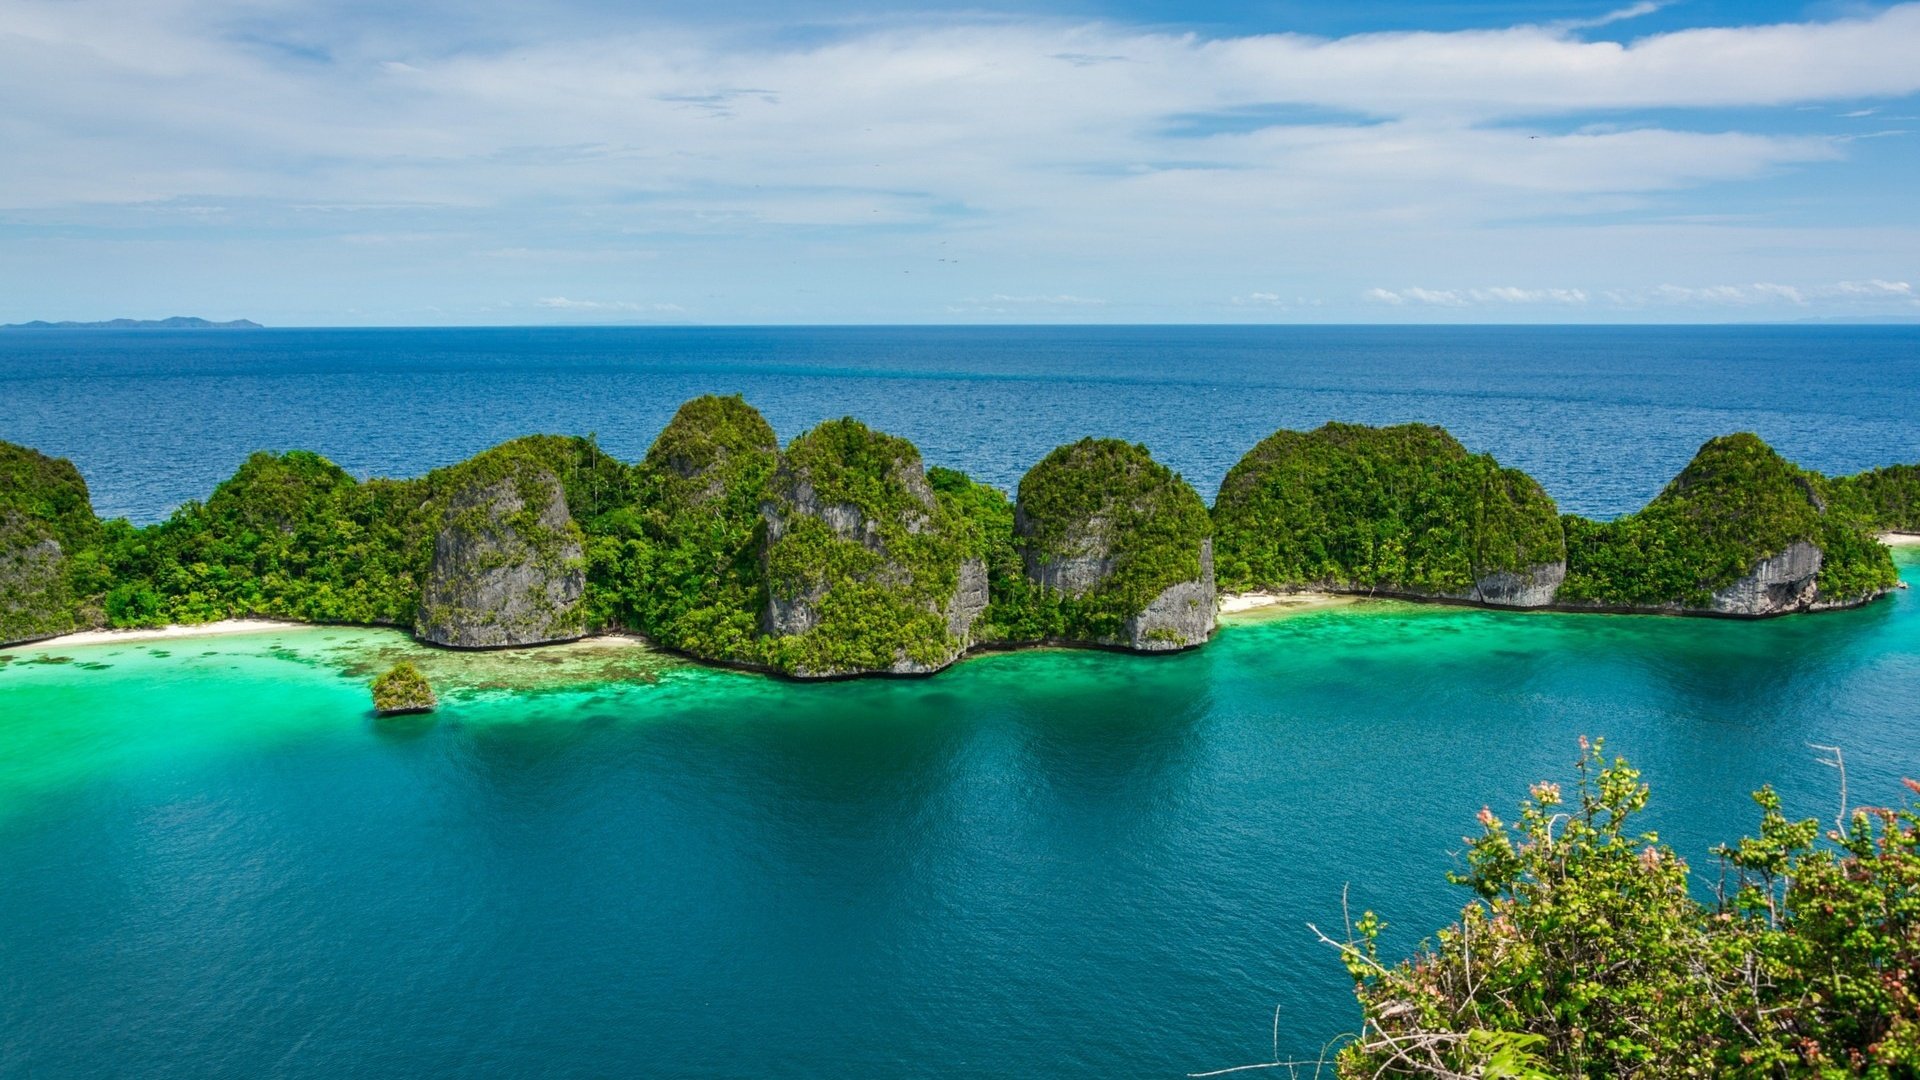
{"x": 598, "y": 861}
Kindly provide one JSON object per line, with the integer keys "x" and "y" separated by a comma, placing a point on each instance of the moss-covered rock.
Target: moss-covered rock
{"x": 46, "y": 519}
{"x": 403, "y": 689}
{"x": 696, "y": 580}
{"x": 1741, "y": 531}
{"x": 1403, "y": 510}
{"x": 1117, "y": 549}
{"x": 509, "y": 565}
{"x": 866, "y": 569}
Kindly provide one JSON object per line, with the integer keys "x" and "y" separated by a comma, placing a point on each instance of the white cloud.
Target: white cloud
{"x": 1498, "y": 294}
{"x": 1055, "y": 300}
{"x": 885, "y": 123}
{"x": 561, "y": 303}
{"x": 1631, "y": 11}
{"x": 1040, "y": 146}
{"x": 1766, "y": 294}
{"x": 1758, "y": 294}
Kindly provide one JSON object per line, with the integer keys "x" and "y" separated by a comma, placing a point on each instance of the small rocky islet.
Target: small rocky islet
{"x": 842, "y": 554}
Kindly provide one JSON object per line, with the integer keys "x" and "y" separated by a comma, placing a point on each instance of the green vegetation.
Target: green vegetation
{"x": 1586, "y": 953}
{"x": 402, "y": 689}
{"x": 47, "y": 537}
{"x": 984, "y": 517}
{"x": 289, "y": 535}
{"x": 682, "y": 562}
{"x": 1887, "y": 499}
{"x": 1401, "y": 509}
{"x": 294, "y": 536}
{"x": 840, "y": 555}
{"x": 862, "y": 559}
{"x": 1103, "y": 529}
{"x": 1736, "y": 503}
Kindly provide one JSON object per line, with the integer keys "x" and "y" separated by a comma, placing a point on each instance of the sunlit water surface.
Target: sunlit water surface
{"x": 595, "y": 861}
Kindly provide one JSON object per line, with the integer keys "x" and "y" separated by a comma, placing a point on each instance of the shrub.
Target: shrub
{"x": 1586, "y": 952}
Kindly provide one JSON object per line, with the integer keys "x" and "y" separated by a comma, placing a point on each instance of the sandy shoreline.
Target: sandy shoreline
{"x": 1230, "y": 604}
{"x": 168, "y": 633}
{"x": 1900, "y": 539}
{"x": 1241, "y": 603}
{"x": 258, "y": 626}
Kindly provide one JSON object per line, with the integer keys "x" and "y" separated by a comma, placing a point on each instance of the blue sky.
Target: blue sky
{"x": 742, "y": 161}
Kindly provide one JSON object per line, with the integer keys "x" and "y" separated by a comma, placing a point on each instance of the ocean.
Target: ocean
{"x": 598, "y": 861}
{"x": 1602, "y": 416}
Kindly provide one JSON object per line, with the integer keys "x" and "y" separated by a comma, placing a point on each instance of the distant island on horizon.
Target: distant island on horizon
{"x": 177, "y": 322}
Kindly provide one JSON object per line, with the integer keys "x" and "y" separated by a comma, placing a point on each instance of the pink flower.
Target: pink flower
{"x": 1545, "y": 792}
{"x": 1487, "y": 819}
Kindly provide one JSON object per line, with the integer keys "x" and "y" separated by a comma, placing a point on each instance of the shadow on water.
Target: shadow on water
{"x": 406, "y": 728}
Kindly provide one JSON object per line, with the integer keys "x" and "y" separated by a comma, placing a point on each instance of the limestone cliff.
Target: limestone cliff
{"x": 1741, "y": 532}
{"x": 508, "y": 567}
{"x": 45, "y": 518}
{"x": 866, "y": 570}
{"x": 1118, "y": 546}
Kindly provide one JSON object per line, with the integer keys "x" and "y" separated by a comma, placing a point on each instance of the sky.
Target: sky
{"x": 1096, "y": 161}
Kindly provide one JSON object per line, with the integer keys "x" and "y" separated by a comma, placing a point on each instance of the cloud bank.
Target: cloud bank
{"x": 926, "y": 164}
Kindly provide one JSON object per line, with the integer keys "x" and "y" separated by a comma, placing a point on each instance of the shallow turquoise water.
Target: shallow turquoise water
{"x": 1046, "y": 863}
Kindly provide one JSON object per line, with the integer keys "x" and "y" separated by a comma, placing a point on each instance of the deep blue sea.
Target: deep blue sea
{"x": 597, "y": 861}
{"x": 1602, "y": 416}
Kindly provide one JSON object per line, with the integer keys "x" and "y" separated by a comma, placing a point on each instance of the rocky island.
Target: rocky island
{"x": 843, "y": 554}
{"x": 175, "y": 322}
{"x": 1407, "y": 512}
{"x": 1400, "y": 511}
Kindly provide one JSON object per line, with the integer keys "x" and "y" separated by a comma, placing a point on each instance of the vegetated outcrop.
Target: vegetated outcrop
{"x": 842, "y": 555}
{"x": 866, "y": 569}
{"x": 692, "y": 549}
{"x": 1887, "y": 499}
{"x": 403, "y": 689}
{"x": 1399, "y": 511}
{"x": 47, "y": 529}
{"x": 1741, "y": 532}
{"x": 291, "y": 536}
{"x": 509, "y": 563}
{"x": 1116, "y": 549}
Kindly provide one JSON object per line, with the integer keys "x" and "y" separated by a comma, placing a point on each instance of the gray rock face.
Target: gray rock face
{"x": 33, "y": 592}
{"x": 1530, "y": 588}
{"x": 799, "y": 610}
{"x": 1181, "y": 616}
{"x": 496, "y": 582}
{"x": 796, "y": 497}
{"x": 969, "y": 600}
{"x": 1089, "y": 563}
{"x": 1786, "y": 582}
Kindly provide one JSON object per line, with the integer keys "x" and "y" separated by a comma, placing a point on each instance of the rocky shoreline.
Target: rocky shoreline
{"x": 843, "y": 555}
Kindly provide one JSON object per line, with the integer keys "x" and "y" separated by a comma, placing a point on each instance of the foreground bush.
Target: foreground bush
{"x": 1587, "y": 955}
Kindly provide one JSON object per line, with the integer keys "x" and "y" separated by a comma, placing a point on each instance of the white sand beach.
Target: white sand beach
{"x": 168, "y": 633}
{"x": 1241, "y": 603}
{"x": 1900, "y": 539}
{"x": 263, "y": 626}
